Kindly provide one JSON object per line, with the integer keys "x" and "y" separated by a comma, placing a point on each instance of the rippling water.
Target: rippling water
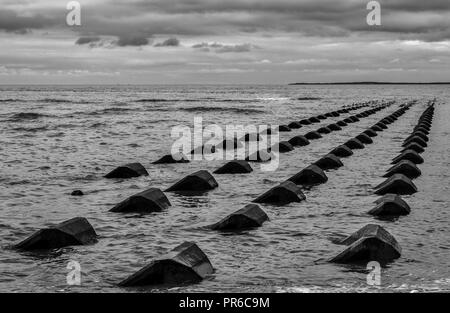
{"x": 58, "y": 139}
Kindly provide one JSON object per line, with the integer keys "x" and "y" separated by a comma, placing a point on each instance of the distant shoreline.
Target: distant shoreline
{"x": 372, "y": 83}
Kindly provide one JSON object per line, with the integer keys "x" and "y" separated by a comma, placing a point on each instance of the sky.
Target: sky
{"x": 223, "y": 42}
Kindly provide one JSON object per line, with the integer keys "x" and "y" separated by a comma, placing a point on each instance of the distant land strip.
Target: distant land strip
{"x": 374, "y": 83}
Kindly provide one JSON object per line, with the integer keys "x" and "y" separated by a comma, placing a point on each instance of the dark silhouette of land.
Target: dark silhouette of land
{"x": 375, "y": 83}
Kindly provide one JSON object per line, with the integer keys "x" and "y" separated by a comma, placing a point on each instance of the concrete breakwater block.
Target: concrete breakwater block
{"x": 410, "y": 155}
{"x": 422, "y": 129}
{"x": 309, "y": 176}
{"x": 354, "y": 119}
{"x": 150, "y": 200}
{"x": 230, "y": 144}
{"x": 376, "y": 128}
{"x": 185, "y": 264}
{"x": 284, "y": 128}
{"x": 205, "y": 149}
{"x": 128, "y": 171}
{"x": 405, "y": 167}
{"x": 354, "y": 144}
{"x": 415, "y": 147}
{"x": 74, "y": 232}
{"x": 328, "y": 162}
{"x": 342, "y": 151}
{"x": 348, "y": 120}
{"x": 171, "y": 159}
{"x": 284, "y": 193}
{"x": 295, "y": 125}
{"x": 321, "y": 117}
{"x": 324, "y": 130}
{"x": 313, "y": 135}
{"x": 370, "y": 243}
{"x": 381, "y": 125}
{"x": 235, "y": 167}
{"x": 250, "y": 216}
{"x": 415, "y": 139}
{"x": 398, "y": 184}
{"x": 299, "y": 141}
{"x": 335, "y": 114}
{"x": 420, "y": 134}
{"x": 364, "y": 139}
{"x": 390, "y": 205}
{"x": 198, "y": 181}
{"x": 305, "y": 122}
{"x": 334, "y": 127}
{"x": 77, "y": 193}
{"x": 283, "y": 147}
{"x": 314, "y": 120}
{"x": 370, "y": 133}
{"x": 259, "y": 156}
{"x": 341, "y": 123}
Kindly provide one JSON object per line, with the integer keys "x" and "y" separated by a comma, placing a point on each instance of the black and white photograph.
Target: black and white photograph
{"x": 224, "y": 147}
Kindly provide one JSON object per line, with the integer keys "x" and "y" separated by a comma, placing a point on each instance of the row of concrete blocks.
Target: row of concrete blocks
{"x": 378, "y": 244}
{"x": 404, "y": 170}
{"x": 283, "y": 146}
{"x": 240, "y": 167}
{"x": 174, "y": 268}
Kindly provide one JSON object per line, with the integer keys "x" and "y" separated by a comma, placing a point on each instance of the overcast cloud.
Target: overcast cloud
{"x": 224, "y": 41}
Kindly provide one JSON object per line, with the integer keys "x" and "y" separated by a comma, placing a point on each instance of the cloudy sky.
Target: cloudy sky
{"x": 223, "y": 41}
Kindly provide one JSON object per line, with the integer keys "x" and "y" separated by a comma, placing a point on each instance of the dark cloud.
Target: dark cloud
{"x": 171, "y": 42}
{"x": 11, "y": 21}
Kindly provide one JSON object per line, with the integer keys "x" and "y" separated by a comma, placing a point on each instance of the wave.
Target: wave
{"x": 30, "y": 129}
{"x": 11, "y": 100}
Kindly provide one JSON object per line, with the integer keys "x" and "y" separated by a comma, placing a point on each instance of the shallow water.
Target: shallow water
{"x": 58, "y": 139}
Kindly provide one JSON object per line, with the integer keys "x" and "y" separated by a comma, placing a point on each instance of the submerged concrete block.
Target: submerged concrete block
{"x": 364, "y": 139}
{"x": 284, "y": 128}
{"x": 329, "y": 161}
{"x": 309, "y": 176}
{"x": 354, "y": 144}
{"x": 415, "y": 139}
{"x": 321, "y": 117}
{"x": 74, "y": 232}
{"x": 250, "y": 216}
{"x": 205, "y": 149}
{"x": 342, "y": 151}
{"x": 150, "y": 200}
{"x": 171, "y": 159}
{"x": 198, "y": 181}
{"x": 334, "y": 127}
{"x": 313, "y": 135}
{"x": 405, "y": 167}
{"x": 295, "y": 125}
{"x": 390, "y": 205}
{"x": 230, "y": 144}
{"x": 128, "y": 171}
{"x": 305, "y": 122}
{"x": 398, "y": 184}
{"x": 186, "y": 264}
{"x": 410, "y": 155}
{"x": 376, "y": 128}
{"x": 324, "y": 130}
{"x": 341, "y": 123}
{"x": 370, "y": 133}
{"x": 370, "y": 243}
{"x": 420, "y": 134}
{"x": 284, "y": 193}
{"x": 415, "y": 147}
{"x": 235, "y": 167}
{"x": 314, "y": 120}
{"x": 381, "y": 125}
{"x": 283, "y": 147}
{"x": 299, "y": 141}
{"x": 77, "y": 193}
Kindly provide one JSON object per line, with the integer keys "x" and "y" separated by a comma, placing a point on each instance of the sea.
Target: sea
{"x": 57, "y": 139}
